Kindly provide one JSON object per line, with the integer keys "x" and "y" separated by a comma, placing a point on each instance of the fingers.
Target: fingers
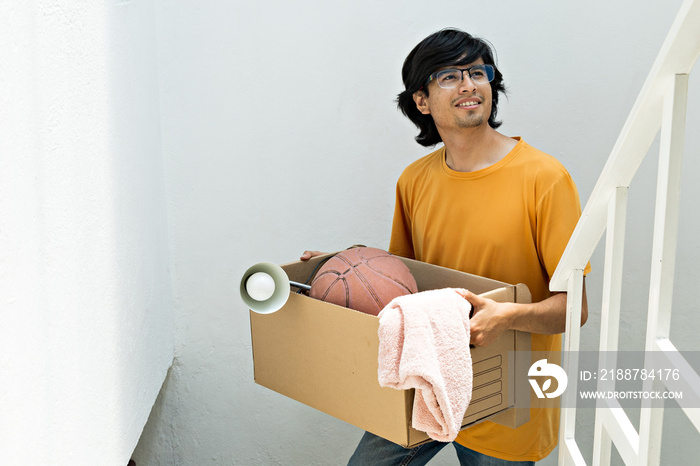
{"x": 474, "y": 300}
{"x": 309, "y": 254}
{"x": 464, "y": 293}
{"x": 476, "y": 341}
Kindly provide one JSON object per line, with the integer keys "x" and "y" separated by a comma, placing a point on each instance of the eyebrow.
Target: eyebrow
{"x": 467, "y": 65}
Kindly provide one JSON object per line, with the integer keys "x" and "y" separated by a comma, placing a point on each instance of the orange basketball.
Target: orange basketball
{"x": 364, "y": 279}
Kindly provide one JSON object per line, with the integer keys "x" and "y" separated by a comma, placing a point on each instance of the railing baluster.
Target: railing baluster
{"x": 663, "y": 256}
{"x": 574, "y": 300}
{"x": 610, "y": 311}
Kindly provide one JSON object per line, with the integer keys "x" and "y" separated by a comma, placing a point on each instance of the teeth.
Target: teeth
{"x": 468, "y": 104}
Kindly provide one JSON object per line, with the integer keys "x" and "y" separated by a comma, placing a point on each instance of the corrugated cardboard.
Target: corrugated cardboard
{"x": 325, "y": 356}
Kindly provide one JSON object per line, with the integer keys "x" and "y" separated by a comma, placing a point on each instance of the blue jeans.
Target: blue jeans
{"x": 376, "y": 451}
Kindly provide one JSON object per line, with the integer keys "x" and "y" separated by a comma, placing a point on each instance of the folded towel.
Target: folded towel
{"x": 424, "y": 344}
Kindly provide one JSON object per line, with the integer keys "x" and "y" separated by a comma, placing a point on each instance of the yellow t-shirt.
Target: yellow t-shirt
{"x": 509, "y": 222}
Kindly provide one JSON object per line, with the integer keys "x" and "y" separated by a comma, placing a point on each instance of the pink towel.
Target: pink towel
{"x": 424, "y": 344}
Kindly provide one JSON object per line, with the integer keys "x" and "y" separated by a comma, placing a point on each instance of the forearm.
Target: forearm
{"x": 546, "y": 317}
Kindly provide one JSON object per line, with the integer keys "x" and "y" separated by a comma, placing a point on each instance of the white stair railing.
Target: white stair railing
{"x": 661, "y": 105}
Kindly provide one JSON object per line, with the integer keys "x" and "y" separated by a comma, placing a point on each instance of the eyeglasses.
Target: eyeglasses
{"x": 447, "y": 79}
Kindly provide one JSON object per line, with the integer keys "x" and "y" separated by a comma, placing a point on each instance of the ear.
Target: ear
{"x": 421, "y": 100}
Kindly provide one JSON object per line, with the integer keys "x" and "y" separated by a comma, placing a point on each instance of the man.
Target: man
{"x": 485, "y": 204}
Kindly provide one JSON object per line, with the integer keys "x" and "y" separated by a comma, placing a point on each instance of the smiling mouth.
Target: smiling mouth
{"x": 472, "y": 103}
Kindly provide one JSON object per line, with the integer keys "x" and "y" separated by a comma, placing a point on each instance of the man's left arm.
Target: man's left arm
{"x": 490, "y": 319}
{"x": 558, "y": 211}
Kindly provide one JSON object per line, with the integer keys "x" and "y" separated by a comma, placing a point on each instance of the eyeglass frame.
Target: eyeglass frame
{"x": 489, "y": 69}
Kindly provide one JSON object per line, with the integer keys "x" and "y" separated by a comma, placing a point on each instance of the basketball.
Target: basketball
{"x": 363, "y": 279}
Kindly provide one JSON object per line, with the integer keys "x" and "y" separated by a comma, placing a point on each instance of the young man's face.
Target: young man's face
{"x": 468, "y": 105}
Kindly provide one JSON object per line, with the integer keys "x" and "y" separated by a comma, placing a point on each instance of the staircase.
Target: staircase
{"x": 660, "y": 106}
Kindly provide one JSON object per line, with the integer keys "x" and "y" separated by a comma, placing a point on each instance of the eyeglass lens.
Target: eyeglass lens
{"x": 450, "y": 78}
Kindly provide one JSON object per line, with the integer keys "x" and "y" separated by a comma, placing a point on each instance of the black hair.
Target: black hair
{"x": 444, "y": 48}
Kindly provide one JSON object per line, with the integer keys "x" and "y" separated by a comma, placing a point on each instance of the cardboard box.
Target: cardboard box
{"x": 325, "y": 356}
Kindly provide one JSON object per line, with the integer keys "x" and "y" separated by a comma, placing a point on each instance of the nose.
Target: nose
{"x": 467, "y": 85}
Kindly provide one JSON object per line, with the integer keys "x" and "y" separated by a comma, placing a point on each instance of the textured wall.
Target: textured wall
{"x": 280, "y": 134}
{"x": 87, "y": 330}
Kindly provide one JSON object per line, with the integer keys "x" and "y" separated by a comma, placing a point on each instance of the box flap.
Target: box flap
{"x": 522, "y": 294}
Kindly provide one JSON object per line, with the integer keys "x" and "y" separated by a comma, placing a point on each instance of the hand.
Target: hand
{"x": 489, "y": 319}
{"x": 309, "y": 254}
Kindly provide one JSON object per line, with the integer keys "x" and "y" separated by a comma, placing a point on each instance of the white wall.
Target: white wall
{"x": 281, "y": 134}
{"x": 86, "y": 315}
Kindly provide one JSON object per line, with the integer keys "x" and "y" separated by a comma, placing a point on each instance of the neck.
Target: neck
{"x": 472, "y": 149}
